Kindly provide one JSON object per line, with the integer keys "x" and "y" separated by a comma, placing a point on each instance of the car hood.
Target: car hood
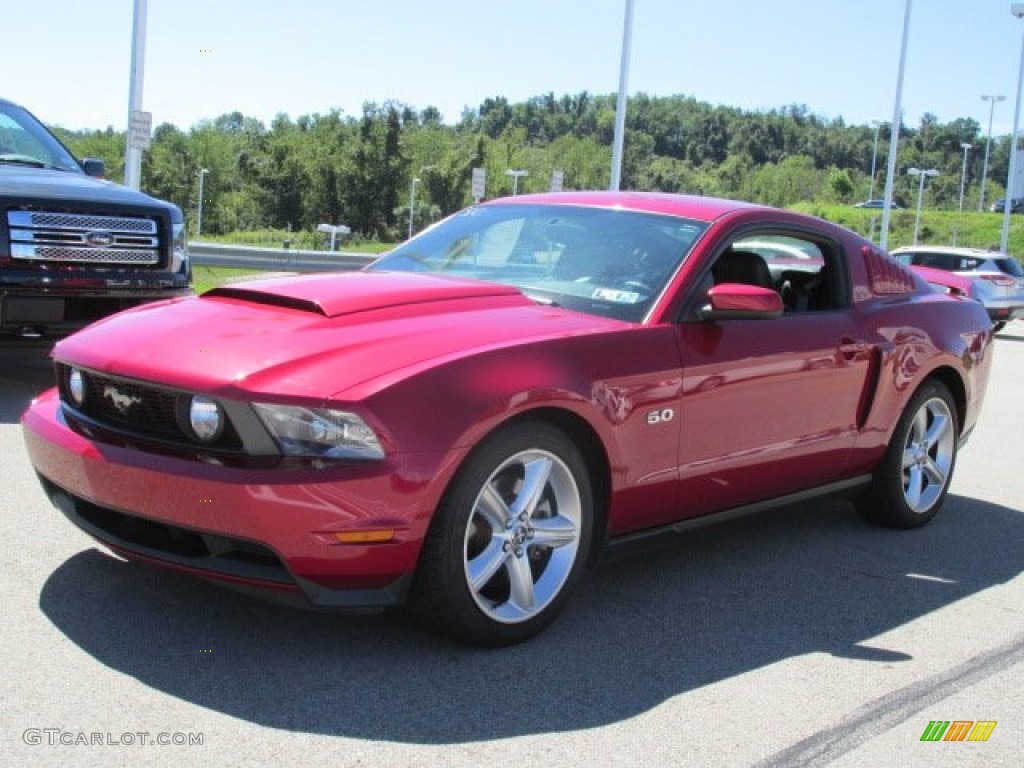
{"x": 44, "y": 184}
{"x": 316, "y": 337}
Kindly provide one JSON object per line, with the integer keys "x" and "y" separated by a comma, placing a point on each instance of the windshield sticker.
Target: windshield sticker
{"x": 619, "y": 297}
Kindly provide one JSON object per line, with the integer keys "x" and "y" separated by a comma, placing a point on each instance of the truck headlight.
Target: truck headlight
{"x": 179, "y": 248}
{"x": 319, "y": 433}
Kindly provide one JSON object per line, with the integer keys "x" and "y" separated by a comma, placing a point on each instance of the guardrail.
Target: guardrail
{"x": 292, "y": 260}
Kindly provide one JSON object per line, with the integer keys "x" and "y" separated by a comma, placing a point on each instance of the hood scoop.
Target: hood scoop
{"x": 346, "y": 293}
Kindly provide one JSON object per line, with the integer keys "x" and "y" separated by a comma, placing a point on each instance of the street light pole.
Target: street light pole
{"x": 874, "y": 160}
{"x": 618, "y": 138}
{"x": 920, "y": 193}
{"x": 963, "y": 179}
{"x": 1017, "y": 9}
{"x": 199, "y": 205}
{"x": 994, "y": 98}
{"x": 412, "y": 202}
{"x": 894, "y": 134}
{"x": 963, "y": 172}
{"x": 133, "y": 153}
{"x": 516, "y": 174}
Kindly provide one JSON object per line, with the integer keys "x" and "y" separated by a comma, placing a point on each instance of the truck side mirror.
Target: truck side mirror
{"x": 94, "y": 167}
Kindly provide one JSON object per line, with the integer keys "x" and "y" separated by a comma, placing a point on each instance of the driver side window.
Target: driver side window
{"x": 806, "y": 273}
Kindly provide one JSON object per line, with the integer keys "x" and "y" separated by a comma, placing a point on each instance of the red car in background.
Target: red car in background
{"x": 489, "y": 408}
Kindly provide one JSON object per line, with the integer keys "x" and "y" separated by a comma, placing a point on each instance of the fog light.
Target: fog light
{"x": 205, "y": 419}
{"x": 76, "y": 386}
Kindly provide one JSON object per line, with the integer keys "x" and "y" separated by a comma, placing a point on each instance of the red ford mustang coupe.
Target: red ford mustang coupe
{"x": 486, "y": 410}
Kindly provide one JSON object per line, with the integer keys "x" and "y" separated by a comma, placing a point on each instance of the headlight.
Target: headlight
{"x": 179, "y": 249}
{"x": 76, "y": 386}
{"x": 205, "y": 419}
{"x": 319, "y": 432}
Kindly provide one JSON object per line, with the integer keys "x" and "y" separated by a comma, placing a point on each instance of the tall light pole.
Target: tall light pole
{"x": 874, "y": 159}
{"x": 412, "y": 202}
{"x": 995, "y": 99}
{"x": 620, "y": 105}
{"x": 199, "y": 205}
{"x": 963, "y": 172}
{"x": 963, "y": 183}
{"x": 894, "y": 137}
{"x": 920, "y": 193}
{"x": 133, "y": 153}
{"x": 516, "y": 174}
{"x": 1017, "y": 9}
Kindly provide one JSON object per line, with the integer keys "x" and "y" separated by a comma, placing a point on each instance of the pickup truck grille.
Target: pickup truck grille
{"x": 83, "y": 238}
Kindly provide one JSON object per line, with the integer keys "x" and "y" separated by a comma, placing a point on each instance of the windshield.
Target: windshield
{"x": 24, "y": 141}
{"x": 606, "y": 262}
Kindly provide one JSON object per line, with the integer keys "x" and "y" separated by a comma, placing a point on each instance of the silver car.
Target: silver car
{"x": 996, "y": 279}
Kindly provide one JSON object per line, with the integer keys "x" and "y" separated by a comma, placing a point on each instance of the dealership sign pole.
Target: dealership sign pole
{"x": 136, "y": 118}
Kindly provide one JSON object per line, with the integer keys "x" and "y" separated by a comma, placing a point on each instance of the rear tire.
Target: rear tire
{"x": 998, "y": 326}
{"x": 509, "y": 540}
{"x": 911, "y": 482}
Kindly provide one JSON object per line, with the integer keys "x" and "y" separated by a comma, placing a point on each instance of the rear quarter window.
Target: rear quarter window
{"x": 936, "y": 261}
{"x": 1010, "y": 267}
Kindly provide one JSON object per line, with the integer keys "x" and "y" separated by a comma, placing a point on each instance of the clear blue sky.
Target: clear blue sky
{"x": 68, "y": 60}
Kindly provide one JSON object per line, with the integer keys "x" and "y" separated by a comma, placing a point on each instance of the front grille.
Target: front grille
{"x": 134, "y": 408}
{"x": 84, "y": 221}
{"x": 84, "y": 238}
{"x": 82, "y": 255}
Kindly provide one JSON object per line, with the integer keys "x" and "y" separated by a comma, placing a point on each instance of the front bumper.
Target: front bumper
{"x": 273, "y": 531}
{"x": 60, "y": 310}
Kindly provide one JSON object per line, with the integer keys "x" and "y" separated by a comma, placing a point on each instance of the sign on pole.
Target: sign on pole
{"x": 141, "y": 129}
{"x": 333, "y": 230}
{"x": 479, "y": 184}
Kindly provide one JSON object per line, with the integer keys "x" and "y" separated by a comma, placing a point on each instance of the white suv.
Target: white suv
{"x": 997, "y": 280}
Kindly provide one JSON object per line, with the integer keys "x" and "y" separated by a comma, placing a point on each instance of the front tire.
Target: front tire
{"x": 509, "y": 540}
{"x": 910, "y": 484}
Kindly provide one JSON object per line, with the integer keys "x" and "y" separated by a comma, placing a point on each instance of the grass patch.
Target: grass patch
{"x": 204, "y": 278}
{"x": 971, "y": 228}
{"x": 310, "y": 241}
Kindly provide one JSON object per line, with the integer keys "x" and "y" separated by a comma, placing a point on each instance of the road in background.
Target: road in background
{"x": 800, "y": 637}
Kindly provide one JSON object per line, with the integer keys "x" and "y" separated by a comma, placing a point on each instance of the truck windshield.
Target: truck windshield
{"x": 25, "y": 141}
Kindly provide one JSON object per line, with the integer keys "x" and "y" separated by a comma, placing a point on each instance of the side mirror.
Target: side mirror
{"x": 736, "y": 301}
{"x": 94, "y": 168}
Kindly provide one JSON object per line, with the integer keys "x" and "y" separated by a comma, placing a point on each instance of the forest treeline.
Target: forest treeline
{"x": 360, "y": 171}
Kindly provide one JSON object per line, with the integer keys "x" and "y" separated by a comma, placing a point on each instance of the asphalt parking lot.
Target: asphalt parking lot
{"x": 800, "y": 637}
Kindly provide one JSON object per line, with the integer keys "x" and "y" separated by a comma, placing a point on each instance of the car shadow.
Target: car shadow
{"x": 718, "y": 603}
{"x": 25, "y": 371}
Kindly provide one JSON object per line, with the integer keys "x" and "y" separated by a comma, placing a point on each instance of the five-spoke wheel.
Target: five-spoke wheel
{"x": 510, "y": 538}
{"x": 910, "y": 484}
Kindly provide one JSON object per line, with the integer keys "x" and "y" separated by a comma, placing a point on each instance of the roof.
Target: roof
{"x": 688, "y": 206}
{"x": 977, "y": 253}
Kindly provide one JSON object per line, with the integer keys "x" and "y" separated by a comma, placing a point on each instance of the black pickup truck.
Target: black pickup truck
{"x": 74, "y": 247}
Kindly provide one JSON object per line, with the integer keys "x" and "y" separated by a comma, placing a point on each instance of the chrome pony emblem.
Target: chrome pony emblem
{"x": 120, "y": 400}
